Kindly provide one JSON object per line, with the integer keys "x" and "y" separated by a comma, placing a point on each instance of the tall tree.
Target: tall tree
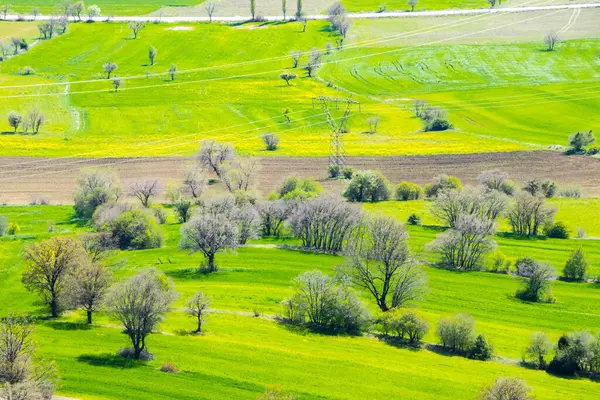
{"x": 197, "y": 306}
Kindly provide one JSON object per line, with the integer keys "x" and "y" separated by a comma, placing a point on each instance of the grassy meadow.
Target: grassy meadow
{"x": 224, "y": 362}
{"x": 498, "y": 100}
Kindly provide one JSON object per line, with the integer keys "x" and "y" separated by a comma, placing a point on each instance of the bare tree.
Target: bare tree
{"x": 284, "y": 8}
{"x": 14, "y": 120}
{"x": 144, "y": 190}
{"x": 66, "y": 7}
{"x": 136, "y": 27}
{"x": 49, "y": 263}
{"x": 450, "y": 204}
{"x": 539, "y": 347}
{"x": 551, "y": 39}
{"x": 323, "y": 223}
{"x": 197, "y": 307}
{"x": 152, "y": 54}
{"x": 109, "y": 68}
{"x": 214, "y": 156}
{"x": 314, "y": 62}
{"x": 172, "y": 71}
{"x": 271, "y": 141}
{"x": 529, "y": 213}
{"x": 248, "y": 223}
{"x": 210, "y": 9}
{"x": 241, "y": 174}
{"x": 378, "y": 259}
{"x": 36, "y": 119}
{"x": 78, "y": 9}
{"x": 296, "y": 56}
{"x": 95, "y": 187}
{"x": 140, "y": 303}
{"x": 16, "y": 42}
{"x": 209, "y": 234}
{"x": 5, "y": 10}
{"x": 193, "y": 181}
{"x": 373, "y": 123}
{"x": 88, "y": 286}
{"x": 273, "y": 215}
{"x": 299, "y": 8}
{"x": 97, "y": 245}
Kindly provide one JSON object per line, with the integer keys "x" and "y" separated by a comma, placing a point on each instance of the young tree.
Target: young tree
{"x": 378, "y": 259}
{"x": 117, "y": 82}
{"x": 14, "y": 120}
{"x": 576, "y": 266}
{"x": 273, "y": 215}
{"x": 287, "y": 77}
{"x": 136, "y": 27}
{"x": 253, "y": 9}
{"x": 172, "y": 71}
{"x": 507, "y": 389}
{"x": 144, "y": 190}
{"x": 539, "y": 347}
{"x": 296, "y": 56}
{"x": 140, "y": 303}
{"x": 194, "y": 181}
{"x": 93, "y": 12}
{"x": 284, "y": 8}
{"x": 209, "y": 234}
{"x": 412, "y": 4}
{"x": 214, "y": 156}
{"x": 537, "y": 287}
{"x": 109, "y": 68}
{"x": 35, "y": 119}
{"x": 49, "y": 263}
{"x": 197, "y": 307}
{"x": 35, "y": 12}
{"x": 209, "y": 7}
{"x": 580, "y": 140}
{"x": 373, "y": 123}
{"x": 551, "y": 39}
{"x": 78, "y": 9}
{"x": 152, "y": 54}
{"x": 88, "y": 286}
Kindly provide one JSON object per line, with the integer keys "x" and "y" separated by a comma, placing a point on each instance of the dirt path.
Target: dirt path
{"x": 389, "y": 14}
{"x": 45, "y": 177}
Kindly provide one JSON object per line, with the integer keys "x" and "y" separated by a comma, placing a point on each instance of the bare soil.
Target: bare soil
{"x": 54, "y": 179}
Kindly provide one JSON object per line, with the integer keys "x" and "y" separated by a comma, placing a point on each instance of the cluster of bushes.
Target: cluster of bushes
{"x": 336, "y": 171}
{"x": 368, "y": 186}
{"x": 457, "y": 334}
{"x": 403, "y": 324}
{"x": 434, "y": 118}
{"x": 294, "y": 188}
{"x": 579, "y": 143}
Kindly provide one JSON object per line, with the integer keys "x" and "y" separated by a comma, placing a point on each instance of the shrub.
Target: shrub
{"x": 438, "y": 125}
{"x": 334, "y": 171}
{"x": 13, "y": 228}
{"x": 169, "y": 367}
{"x": 414, "y": 219}
{"x": 271, "y": 141}
{"x": 576, "y": 352}
{"x": 579, "y": 141}
{"x": 525, "y": 266}
{"x": 557, "y": 230}
{"x": 408, "y": 191}
{"x": 499, "y": 264}
{"x": 573, "y": 192}
{"x": 506, "y": 389}
{"x": 576, "y": 266}
{"x": 414, "y": 327}
{"x": 3, "y": 225}
{"x": 183, "y": 209}
{"x": 457, "y": 333}
{"x": 539, "y": 346}
{"x": 440, "y": 183}
{"x": 347, "y": 172}
{"x": 481, "y": 349}
{"x": 367, "y": 186}
{"x": 160, "y": 214}
{"x": 134, "y": 230}
{"x": 294, "y": 188}
{"x": 536, "y": 187}
{"x": 537, "y": 287}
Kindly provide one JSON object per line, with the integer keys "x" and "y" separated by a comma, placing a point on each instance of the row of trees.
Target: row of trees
{"x": 32, "y": 121}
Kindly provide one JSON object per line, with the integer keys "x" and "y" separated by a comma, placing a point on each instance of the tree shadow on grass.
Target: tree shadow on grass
{"x": 398, "y": 342}
{"x": 109, "y": 360}
{"x": 190, "y": 273}
{"x": 509, "y": 235}
{"x": 444, "y": 351}
{"x": 68, "y": 326}
{"x": 75, "y": 220}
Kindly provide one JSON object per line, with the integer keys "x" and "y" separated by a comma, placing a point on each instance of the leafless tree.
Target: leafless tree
{"x": 5, "y": 10}
{"x": 373, "y": 123}
{"x": 463, "y": 246}
{"x": 78, "y": 9}
{"x": 450, "y": 204}
{"x": 378, "y": 260}
{"x": 209, "y": 234}
{"x": 97, "y": 245}
{"x": 507, "y": 388}
{"x": 136, "y": 27}
{"x": 248, "y": 223}
{"x": 16, "y": 42}
{"x": 93, "y": 12}
{"x": 172, "y": 71}
{"x": 140, "y": 303}
{"x": 197, "y": 307}
{"x": 49, "y": 263}
{"x": 299, "y": 8}
{"x": 271, "y": 141}
{"x": 492, "y": 179}
{"x": 194, "y": 181}
{"x": 95, "y": 187}
{"x": 296, "y": 56}
{"x": 88, "y": 287}
{"x": 210, "y": 9}
{"x": 323, "y": 223}
{"x": 144, "y": 190}
{"x": 529, "y": 213}
{"x": 61, "y": 24}
{"x": 213, "y": 156}
{"x": 551, "y": 39}
{"x": 66, "y": 7}
{"x": 253, "y": 9}
{"x": 240, "y": 174}
{"x": 36, "y": 119}
{"x": 35, "y": 12}
{"x": 492, "y": 3}
{"x": 273, "y": 215}
{"x": 109, "y": 68}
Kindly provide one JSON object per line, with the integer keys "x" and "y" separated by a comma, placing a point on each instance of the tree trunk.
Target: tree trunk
{"x": 89, "y": 316}
{"x": 199, "y": 324}
{"x": 54, "y": 301}
{"x": 211, "y": 263}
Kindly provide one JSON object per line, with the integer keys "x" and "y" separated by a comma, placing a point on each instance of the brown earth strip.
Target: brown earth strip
{"x": 55, "y": 179}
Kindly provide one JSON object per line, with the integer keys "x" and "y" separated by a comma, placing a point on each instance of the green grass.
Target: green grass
{"x": 108, "y": 7}
{"x": 239, "y": 355}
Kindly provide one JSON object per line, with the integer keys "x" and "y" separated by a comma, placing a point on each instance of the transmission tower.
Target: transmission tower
{"x": 337, "y": 127}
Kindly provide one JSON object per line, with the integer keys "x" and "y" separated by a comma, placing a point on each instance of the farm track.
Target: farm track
{"x": 360, "y": 15}
{"x": 58, "y": 185}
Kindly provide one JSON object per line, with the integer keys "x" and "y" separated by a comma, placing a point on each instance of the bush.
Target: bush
{"x": 13, "y": 228}
{"x": 294, "y": 188}
{"x": 573, "y": 192}
{"x": 499, "y": 264}
{"x": 481, "y": 349}
{"x": 525, "y": 266}
{"x": 414, "y": 219}
{"x": 408, "y": 191}
{"x": 334, "y": 171}
{"x": 3, "y": 225}
{"x": 537, "y": 287}
{"x": 169, "y": 367}
{"x": 536, "y": 187}
{"x": 507, "y": 389}
{"x": 134, "y": 230}
{"x": 271, "y": 141}
{"x": 579, "y": 141}
{"x": 576, "y": 352}
{"x": 367, "y": 186}
{"x": 457, "y": 333}
{"x": 438, "y": 125}
{"x": 347, "y": 172}
{"x": 160, "y": 214}
{"x": 576, "y": 266}
{"x": 557, "y": 230}
{"x": 440, "y": 183}
{"x": 183, "y": 209}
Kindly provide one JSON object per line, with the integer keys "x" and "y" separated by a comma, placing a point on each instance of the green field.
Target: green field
{"x": 225, "y": 361}
{"x": 108, "y": 7}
